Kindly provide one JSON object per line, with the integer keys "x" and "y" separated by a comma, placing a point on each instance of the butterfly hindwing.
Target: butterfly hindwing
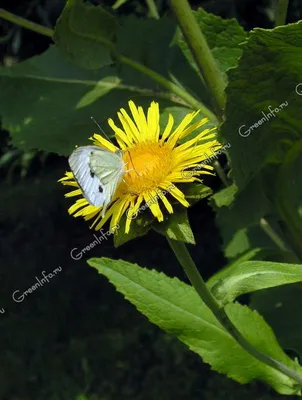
{"x": 109, "y": 168}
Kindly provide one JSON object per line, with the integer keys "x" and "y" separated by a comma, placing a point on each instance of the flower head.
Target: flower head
{"x": 155, "y": 162}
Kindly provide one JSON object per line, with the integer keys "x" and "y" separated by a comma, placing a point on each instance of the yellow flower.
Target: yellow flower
{"x": 155, "y": 162}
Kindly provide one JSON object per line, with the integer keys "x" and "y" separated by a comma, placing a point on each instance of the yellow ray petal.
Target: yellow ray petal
{"x": 70, "y": 183}
{"x": 143, "y": 124}
{"x": 76, "y": 192}
{"x": 193, "y": 127}
{"x": 166, "y": 202}
{"x": 152, "y": 203}
{"x": 178, "y": 195}
{"x": 129, "y": 126}
{"x": 168, "y": 128}
{"x": 88, "y": 209}
{"x": 119, "y": 134}
{"x": 92, "y": 214}
{"x": 120, "y": 207}
{"x": 136, "y": 116}
{"x": 78, "y": 204}
{"x": 174, "y": 137}
{"x": 153, "y": 121}
{"x": 100, "y": 141}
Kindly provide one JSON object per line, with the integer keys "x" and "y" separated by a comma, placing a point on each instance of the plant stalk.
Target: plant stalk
{"x": 184, "y": 258}
{"x": 152, "y": 9}
{"x": 201, "y": 52}
{"x": 281, "y": 12}
{"x": 25, "y": 23}
{"x": 190, "y": 100}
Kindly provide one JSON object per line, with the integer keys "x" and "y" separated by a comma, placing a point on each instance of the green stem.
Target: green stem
{"x": 201, "y": 52}
{"x": 190, "y": 100}
{"x": 277, "y": 239}
{"x": 281, "y": 12}
{"x": 221, "y": 173}
{"x": 152, "y": 9}
{"x": 206, "y": 296}
{"x": 25, "y": 23}
{"x": 273, "y": 234}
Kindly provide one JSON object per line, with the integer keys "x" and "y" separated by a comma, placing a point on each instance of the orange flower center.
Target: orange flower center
{"x": 148, "y": 164}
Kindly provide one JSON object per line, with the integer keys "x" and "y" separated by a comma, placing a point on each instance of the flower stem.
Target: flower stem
{"x": 152, "y": 9}
{"x": 25, "y": 23}
{"x": 184, "y": 258}
{"x": 281, "y": 12}
{"x": 201, "y": 52}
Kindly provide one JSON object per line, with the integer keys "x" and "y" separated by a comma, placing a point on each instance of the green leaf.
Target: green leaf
{"x": 195, "y": 191}
{"x": 138, "y": 228}
{"x": 46, "y": 113}
{"x": 102, "y": 87}
{"x": 267, "y": 75}
{"x": 281, "y": 308}
{"x": 289, "y": 195}
{"x": 176, "y": 308}
{"x": 85, "y": 34}
{"x": 239, "y": 220}
{"x": 250, "y": 276}
{"x": 176, "y": 227}
{"x": 223, "y": 36}
{"x": 146, "y": 41}
{"x": 224, "y": 197}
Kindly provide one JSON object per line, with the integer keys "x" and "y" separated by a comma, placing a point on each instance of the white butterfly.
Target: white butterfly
{"x": 98, "y": 172}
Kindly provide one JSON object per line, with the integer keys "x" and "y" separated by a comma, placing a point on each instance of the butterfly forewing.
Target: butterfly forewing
{"x": 88, "y": 182}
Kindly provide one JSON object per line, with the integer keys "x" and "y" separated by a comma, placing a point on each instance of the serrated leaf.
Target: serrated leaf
{"x": 176, "y": 227}
{"x": 281, "y": 308}
{"x": 224, "y": 197}
{"x": 250, "y": 276}
{"x": 176, "y": 308}
{"x": 239, "y": 222}
{"x": 85, "y": 34}
{"x": 289, "y": 195}
{"x": 265, "y": 79}
{"x": 223, "y": 36}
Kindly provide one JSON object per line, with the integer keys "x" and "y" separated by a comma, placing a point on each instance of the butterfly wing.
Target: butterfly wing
{"x": 98, "y": 173}
{"x": 109, "y": 167}
{"x": 89, "y": 183}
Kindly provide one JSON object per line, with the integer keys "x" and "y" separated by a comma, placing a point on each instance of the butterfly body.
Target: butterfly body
{"x": 98, "y": 173}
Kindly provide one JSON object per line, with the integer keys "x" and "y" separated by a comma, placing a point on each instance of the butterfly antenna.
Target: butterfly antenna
{"x": 100, "y": 128}
{"x": 133, "y": 164}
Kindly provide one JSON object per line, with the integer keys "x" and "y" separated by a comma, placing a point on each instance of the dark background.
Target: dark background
{"x": 75, "y": 338}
